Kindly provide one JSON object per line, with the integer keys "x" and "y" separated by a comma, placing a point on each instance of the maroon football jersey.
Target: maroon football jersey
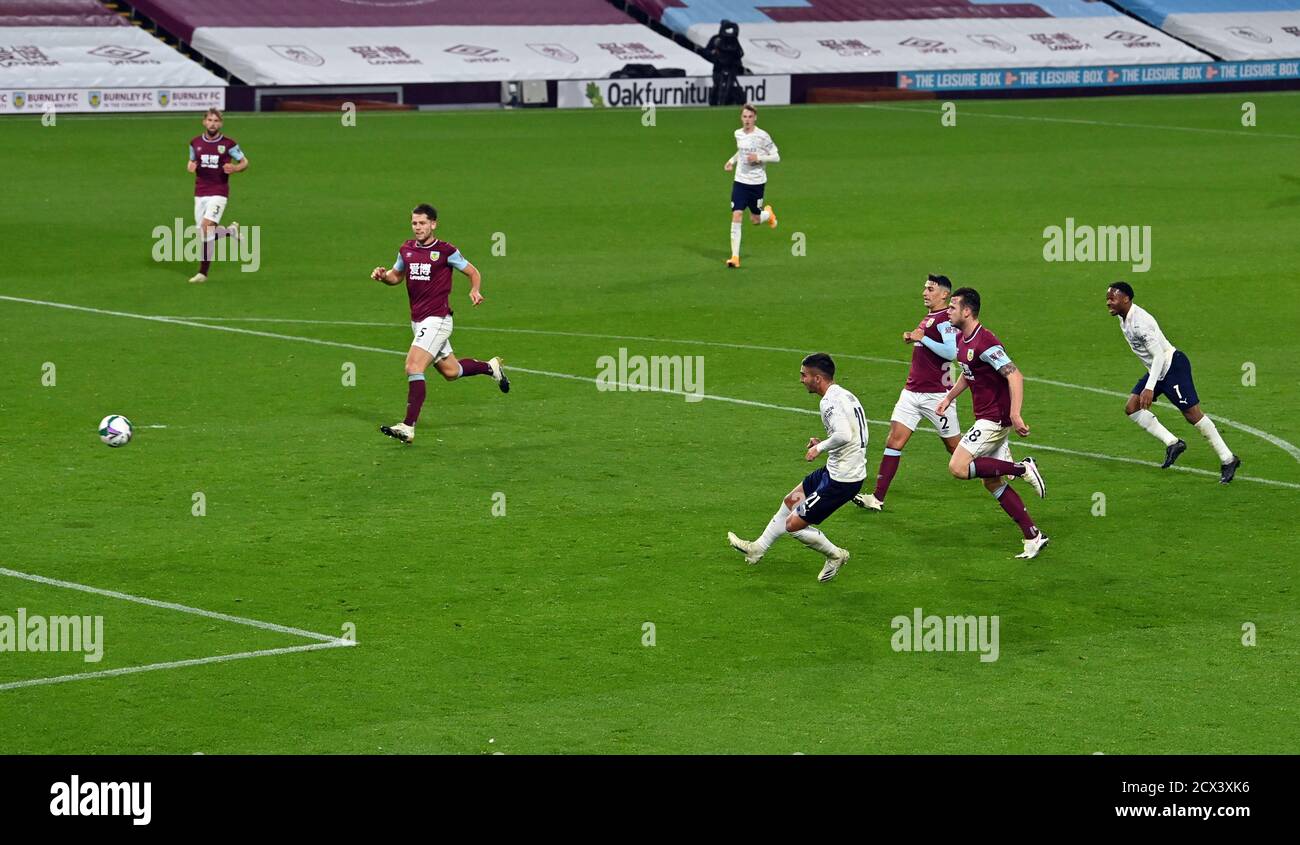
{"x": 209, "y": 179}
{"x": 981, "y": 356}
{"x": 428, "y": 277}
{"x": 928, "y": 367}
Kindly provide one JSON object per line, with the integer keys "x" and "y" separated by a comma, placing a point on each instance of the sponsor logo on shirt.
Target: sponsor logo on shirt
{"x": 298, "y": 53}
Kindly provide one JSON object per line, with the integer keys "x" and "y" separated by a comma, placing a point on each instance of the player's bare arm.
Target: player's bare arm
{"x": 812, "y": 453}
{"x": 192, "y": 166}
{"x": 388, "y": 277}
{"x": 1145, "y": 398}
{"x": 475, "y": 282}
{"x": 237, "y": 167}
{"x": 913, "y": 336}
{"x": 957, "y": 390}
{"x": 1016, "y": 384}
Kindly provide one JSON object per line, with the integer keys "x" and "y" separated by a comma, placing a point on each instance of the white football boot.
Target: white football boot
{"x": 833, "y": 564}
{"x": 752, "y": 554}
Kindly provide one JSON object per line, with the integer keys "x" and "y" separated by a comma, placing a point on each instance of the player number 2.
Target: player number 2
{"x": 862, "y": 425}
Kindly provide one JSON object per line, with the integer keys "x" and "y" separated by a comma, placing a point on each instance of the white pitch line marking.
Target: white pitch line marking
{"x": 175, "y": 664}
{"x": 181, "y": 608}
{"x": 1290, "y": 448}
{"x": 380, "y": 350}
{"x": 1076, "y": 120}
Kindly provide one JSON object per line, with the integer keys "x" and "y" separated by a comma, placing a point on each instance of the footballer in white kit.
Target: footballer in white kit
{"x": 824, "y": 490}
{"x": 1169, "y": 374}
{"x": 754, "y": 151}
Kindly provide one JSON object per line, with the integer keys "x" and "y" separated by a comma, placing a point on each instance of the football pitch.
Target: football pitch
{"x": 547, "y": 571}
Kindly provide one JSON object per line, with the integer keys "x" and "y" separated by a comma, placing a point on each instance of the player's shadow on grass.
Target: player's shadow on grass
{"x": 1294, "y": 199}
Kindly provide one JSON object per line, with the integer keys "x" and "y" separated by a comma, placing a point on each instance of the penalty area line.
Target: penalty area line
{"x": 1286, "y": 446}
{"x": 637, "y": 388}
{"x": 174, "y": 664}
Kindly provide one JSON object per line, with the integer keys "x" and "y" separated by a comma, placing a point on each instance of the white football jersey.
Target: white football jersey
{"x": 845, "y": 421}
{"x": 1146, "y": 340}
{"x": 758, "y": 142}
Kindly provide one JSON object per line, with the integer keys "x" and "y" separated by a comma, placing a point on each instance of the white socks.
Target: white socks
{"x": 765, "y": 216}
{"x": 1207, "y": 428}
{"x": 1148, "y": 422}
{"x": 813, "y": 538}
{"x": 735, "y": 239}
{"x": 775, "y": 528}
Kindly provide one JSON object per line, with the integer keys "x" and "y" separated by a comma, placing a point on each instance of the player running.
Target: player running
{"x": 997, "y": 391}
{"x": 1169, "y": 373}
{"x": 425, "y": 263}
{"x": 754, "y": 151}
{"x": 824, "y": 490}
{"x": 934, "y": 343}
{"x": 213, "y": 157}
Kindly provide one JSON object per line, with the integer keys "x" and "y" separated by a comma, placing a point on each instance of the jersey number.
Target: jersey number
{"x": 862, "y": 425}
{"x": 1179, "y": 392}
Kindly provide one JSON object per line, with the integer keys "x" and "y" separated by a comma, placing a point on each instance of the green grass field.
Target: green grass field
{"x": 523, "y": 633}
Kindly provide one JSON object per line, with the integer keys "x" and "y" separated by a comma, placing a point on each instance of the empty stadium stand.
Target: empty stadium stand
{"x": 1229, "y": 29}
{"x": 338, "y": 42}
{"x": 846, "y": 36}
{"x": 78, "y": 55}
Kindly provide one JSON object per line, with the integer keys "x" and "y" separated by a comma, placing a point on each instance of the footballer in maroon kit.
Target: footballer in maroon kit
{"x": 213, "y": 157}
{"x": 425, "y": 264}
{"x": 934, "y": 344}
{"x": 997, "y": 391}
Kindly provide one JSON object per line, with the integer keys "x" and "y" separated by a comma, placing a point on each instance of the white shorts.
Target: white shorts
{"x": 433, "y": 335}
{"x": 987, "y": 439}
{"x": 209, "y": 208}
{"x": 912, "y": 406}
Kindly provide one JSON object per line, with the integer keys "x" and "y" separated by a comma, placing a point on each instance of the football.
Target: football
{"x": 115, "y": 430}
